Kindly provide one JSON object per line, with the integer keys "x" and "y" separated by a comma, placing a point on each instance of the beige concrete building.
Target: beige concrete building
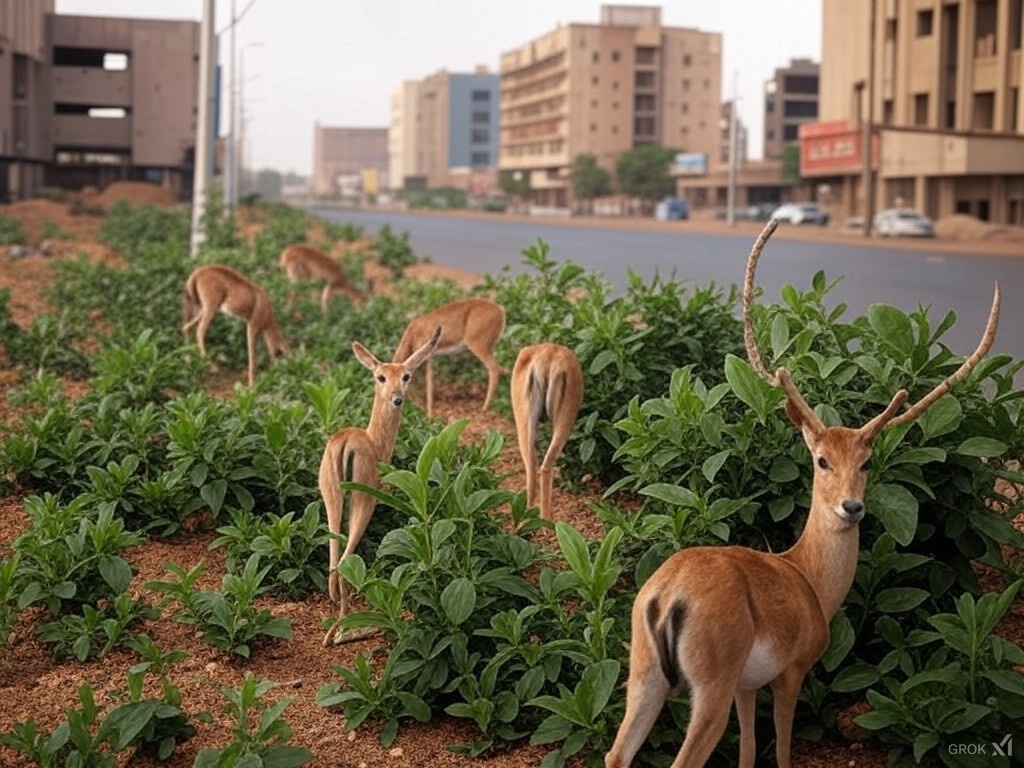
{"x": 603, "y": 89}
{"x": 938, "y": 82}
{"x": 88, "y": 100}
{"x": 444, "y": 132}
{"x": 349, "y": 162}
{"x": 790, "y": 100}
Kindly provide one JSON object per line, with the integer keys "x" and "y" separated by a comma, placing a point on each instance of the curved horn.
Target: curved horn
{"x": 987, "y": 338}
{"x": 749, "y": 340}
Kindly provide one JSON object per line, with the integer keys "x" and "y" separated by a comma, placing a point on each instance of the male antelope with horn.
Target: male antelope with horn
{"x": 725, "y": 621}
{"x": 353, "y": 454}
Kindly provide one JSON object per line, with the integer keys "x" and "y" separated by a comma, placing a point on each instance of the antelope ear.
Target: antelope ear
{"x": 365, "y": 356}
{"x": 417, "y": 358}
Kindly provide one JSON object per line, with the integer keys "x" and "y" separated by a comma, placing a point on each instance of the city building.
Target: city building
{"x": 444, "y": 132}
{"x": 88, "y": 100}
{"x": 726, "y": 127}
{"x": 790, "y": 100}
{"x": 936, "y": 85}
{"x": 349, "y": 162}
{"x": 603, "y": 89}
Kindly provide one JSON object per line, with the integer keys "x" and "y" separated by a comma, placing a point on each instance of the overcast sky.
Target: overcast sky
{"x": 337, "y": 61}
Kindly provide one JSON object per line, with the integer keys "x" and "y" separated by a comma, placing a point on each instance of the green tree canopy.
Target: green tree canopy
{"x": 589, "y": 180}
{"x": 512, "y": 186}
{"x": 644, "y": 172}
{"x": 790, "y": 160}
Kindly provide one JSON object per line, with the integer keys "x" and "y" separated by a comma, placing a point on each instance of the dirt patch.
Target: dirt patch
{"x": 963, "y": 228}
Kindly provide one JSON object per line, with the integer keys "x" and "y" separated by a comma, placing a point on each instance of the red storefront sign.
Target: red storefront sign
{"x": 830, "y": 149}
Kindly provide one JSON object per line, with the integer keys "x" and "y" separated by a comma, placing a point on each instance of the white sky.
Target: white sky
{"x": 337, "y": 61}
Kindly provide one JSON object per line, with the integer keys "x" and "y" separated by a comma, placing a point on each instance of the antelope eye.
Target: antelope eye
{"x": 380, "y": 378}
{"x": 823, "y": 462}
{"x": 405, "y": 377}
{"x": 865, "y": 466}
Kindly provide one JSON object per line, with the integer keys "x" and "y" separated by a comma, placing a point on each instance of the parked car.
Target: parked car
{"x": 801, "y": 213}
{"x": 902, "y": 222}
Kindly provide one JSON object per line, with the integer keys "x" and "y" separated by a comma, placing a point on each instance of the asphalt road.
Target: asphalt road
{"x": 938, "y": 275}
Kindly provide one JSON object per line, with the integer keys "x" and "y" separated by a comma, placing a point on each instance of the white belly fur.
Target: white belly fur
{"x": 762, "y": 667}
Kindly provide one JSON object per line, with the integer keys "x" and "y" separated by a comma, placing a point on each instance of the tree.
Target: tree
{"x": 515, "y": 183}
{"x": 644, "y": 172}
{"x": 589, "y": 180}
{"x": 790, "y": 160}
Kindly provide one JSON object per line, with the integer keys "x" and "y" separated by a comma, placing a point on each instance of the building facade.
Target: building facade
{"x": 936, "y": 86}
{"x": 349, "y": 162}
{"x": 790, "y": 100}
{"x": 603, "y": 89}
{"x": 444, "y": 131}
{"x": 88, "y": 100}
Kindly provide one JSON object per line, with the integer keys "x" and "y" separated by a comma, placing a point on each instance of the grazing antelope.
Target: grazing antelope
{"x": 300, "y": 262}
{"x": 547, "y": 383}
{"x": 473, "y": 324}
{"x": 216, "y": 287}
{"x": 725, "y": 621}
{"x": 353, "y": 454}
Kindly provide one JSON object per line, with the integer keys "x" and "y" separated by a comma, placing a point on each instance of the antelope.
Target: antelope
{"x": 300, "y": 262}
{"x": 215, "y": 287}
{"x": 353, "y": 454}
{"x": 547, "y": 383}
{"x": 726, "y": 621}
{"x": 472, "y": 324}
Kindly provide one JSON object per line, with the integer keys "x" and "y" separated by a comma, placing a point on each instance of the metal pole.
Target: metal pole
{"x": 203, "y": 166}
{"x": 868, "y": 179}
{"x": 231, "y": 161}
{"x": 730, "y": 206}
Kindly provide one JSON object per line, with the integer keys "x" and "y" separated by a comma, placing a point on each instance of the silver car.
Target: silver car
{"x": 903, "y": 222}
{"x": 801, "y": 213}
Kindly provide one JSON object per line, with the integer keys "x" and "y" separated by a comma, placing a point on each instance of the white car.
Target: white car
{"x": 801, "y": 213}
{"x": 902, "y": 222}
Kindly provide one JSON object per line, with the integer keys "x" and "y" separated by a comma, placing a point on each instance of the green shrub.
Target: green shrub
{"x": 12, "y": 231}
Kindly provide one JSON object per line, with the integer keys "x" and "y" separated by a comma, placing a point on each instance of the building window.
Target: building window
{"x": 480, "y": 136}
{"x": 481, "y": 96}
{"x": 686, "y": 84}
{"x": 950, "y": 114}
{"x": 595, "y": 57}
{"x": 1016, "y": 11}
{"x": 687, "y": 60}
{"x": 646, "y": 56}
{"x": 920, "y": 109}
{"x": 481, "y": 117}
{"x": 615, "y": 55}
{"x": 984, "y": 111}
{"x": 925, "y": 20}
{"x": 643, "y": 126}
{"x": 806, "y": 84}
{"x": 644, "y": 80}
{"x": 800, "y": 109}
{"x": 593, "y": 127}
{"x": 887, "y": 112}
{"x": 644, "y": 102}
{"x": 480, "y": 158}
{"x": 593, "y": 80}
{"x": 686, "y": 108}
{"x": 789, "y": 133}
{"x": 985, "y": 29}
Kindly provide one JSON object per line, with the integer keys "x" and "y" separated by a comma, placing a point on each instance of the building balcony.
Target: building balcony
{"x": 91, "y": 86}
{"x": 84, "y": 132}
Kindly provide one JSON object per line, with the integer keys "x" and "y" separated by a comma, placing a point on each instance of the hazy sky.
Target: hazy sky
{"x": 337, "y": 61}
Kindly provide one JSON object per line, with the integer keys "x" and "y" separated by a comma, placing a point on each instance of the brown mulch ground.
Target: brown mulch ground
{"x": 32, "y": 684}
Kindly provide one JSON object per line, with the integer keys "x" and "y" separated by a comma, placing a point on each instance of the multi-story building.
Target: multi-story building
{"x": 26, "y": 145}
{"x": 89, "y": 100}
{"x": 790, "y": 100}
{"x": 349, "y": 162}
{"x": 603, "y": 89}
{"x": 936, "y": 84}
{"x": 727, "y": 127}
{"x": 444, "y": 131}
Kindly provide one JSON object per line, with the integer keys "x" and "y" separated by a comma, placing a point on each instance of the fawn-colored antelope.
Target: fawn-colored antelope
{"x": 471, "y": 324}
{"x": 300, "y": 262}
{"x": 547, "y": 383}
{"x": 353, "y": 454}
{"x": 215, "y": 287}
{"x": 725, "y": 621}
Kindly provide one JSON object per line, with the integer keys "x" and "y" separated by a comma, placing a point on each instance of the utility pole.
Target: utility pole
{"x": 203, "y": 164}
{"x": 231, "y": 155}
{"x": 868, "y": 177}
{"x": 730, "y": 205}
